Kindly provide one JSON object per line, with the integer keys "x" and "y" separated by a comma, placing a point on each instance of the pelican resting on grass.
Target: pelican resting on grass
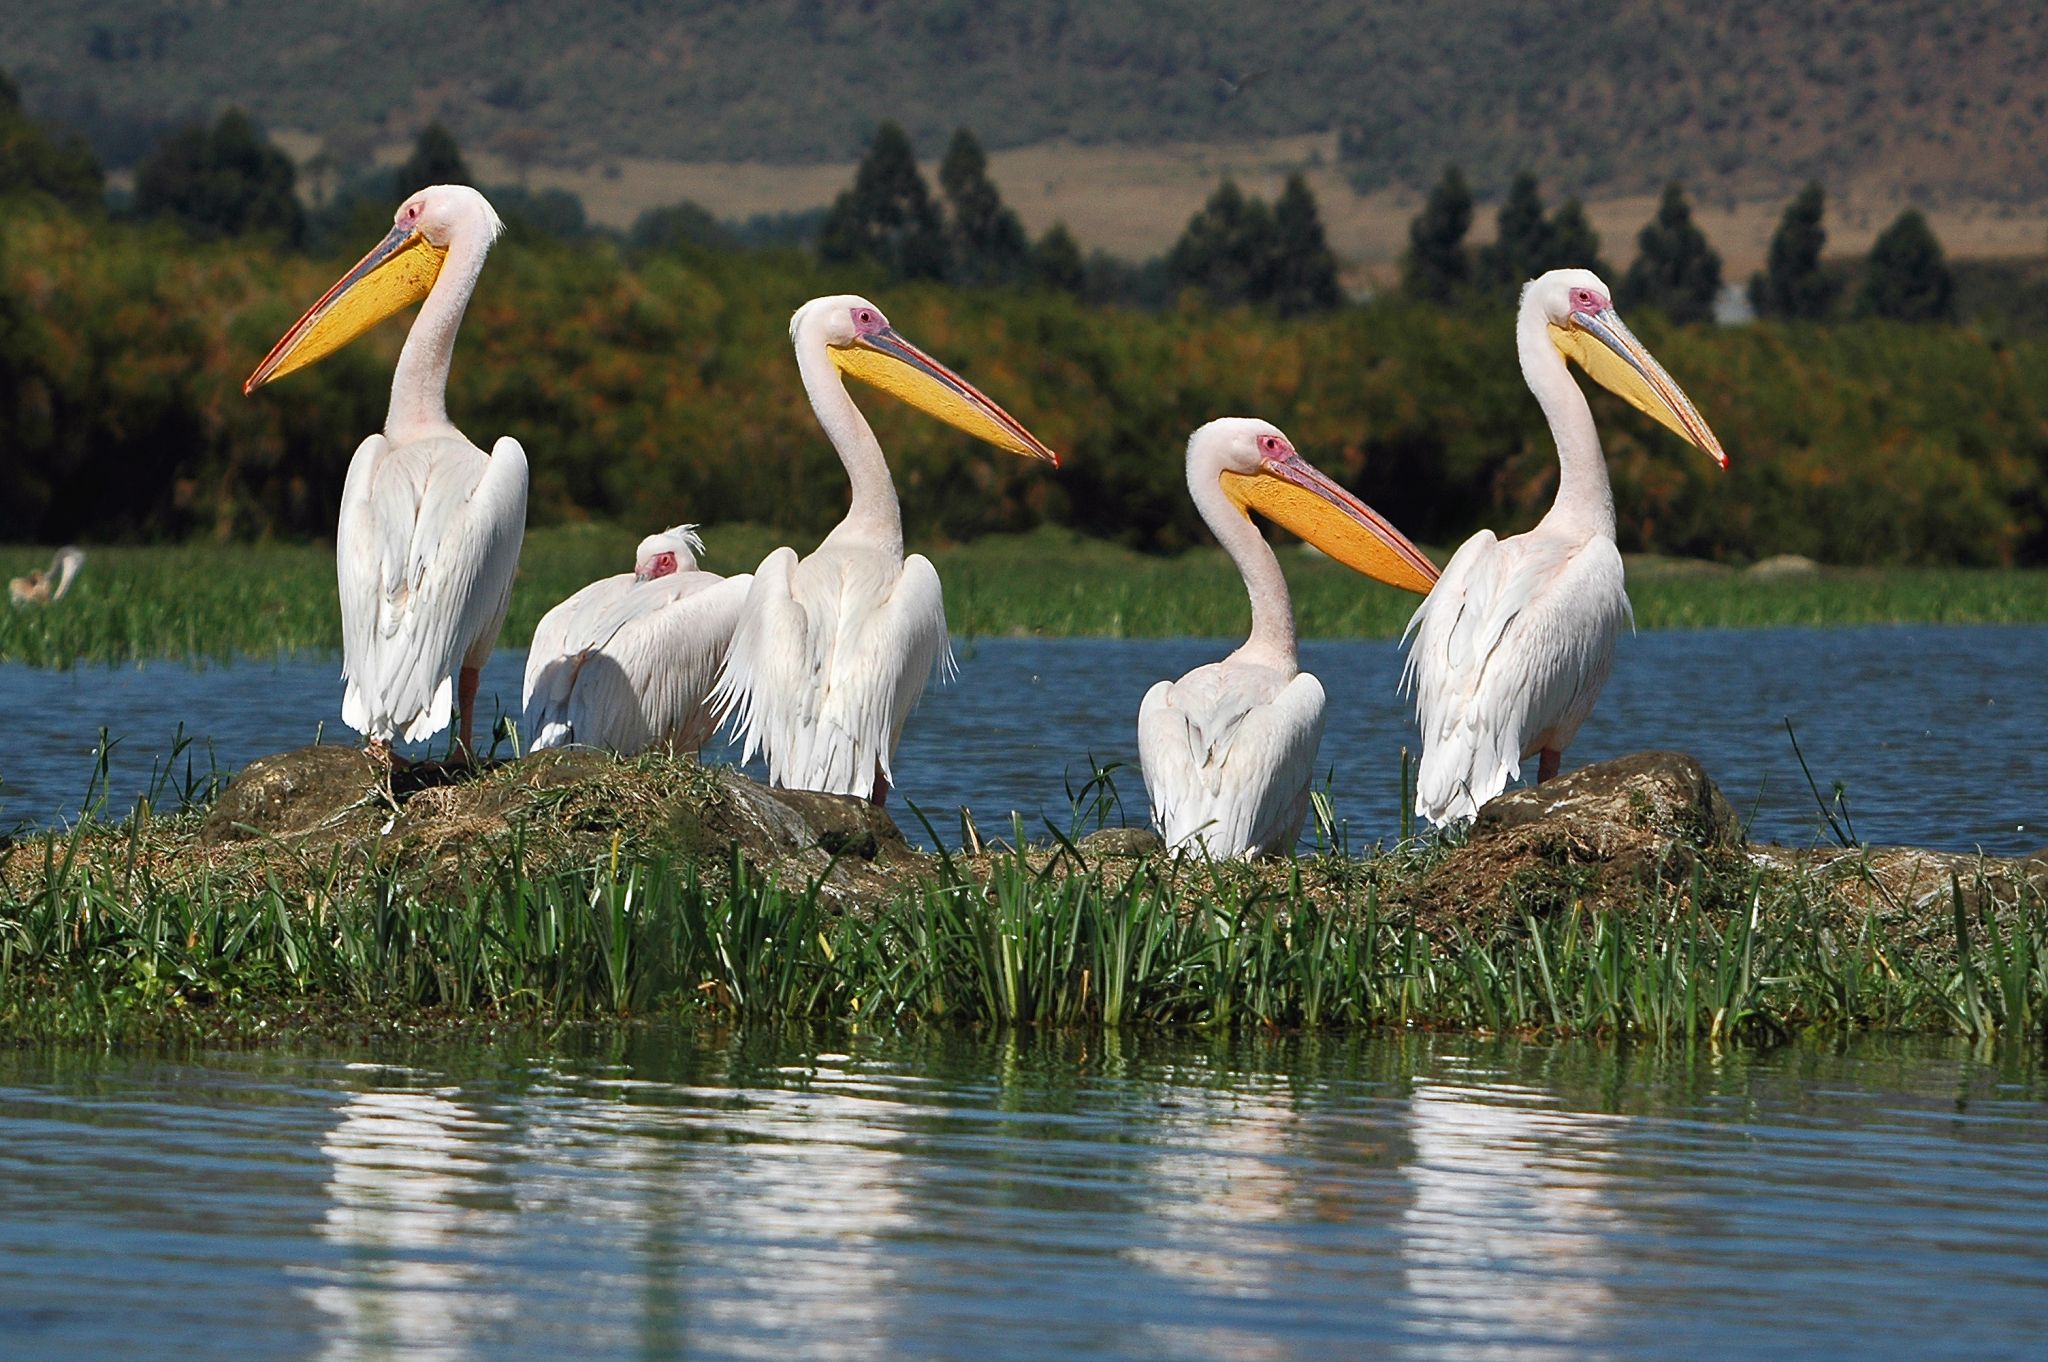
{"x": 430, "y": 524}
{"x": 45, "y": 585}
{"x": 1229, "y": 749}
{"x": 628, "y": 662}
{"x": 834, "y": 648}
{"x": 1510, "y": 650}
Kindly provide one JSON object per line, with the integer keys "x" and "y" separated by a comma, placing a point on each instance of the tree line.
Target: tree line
{"x": 1905, "y": 278}
{"x": 123, "y": 344}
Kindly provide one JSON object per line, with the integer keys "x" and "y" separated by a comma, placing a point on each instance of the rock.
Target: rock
{"x": 291, "y": 793}
{"x": 844, "y": 825}
{"x": 1783, "y": 565}
{"x": 1590, "y": 836}
{"x": 1613, "y": 804}
{"x": 1122, "y": 842}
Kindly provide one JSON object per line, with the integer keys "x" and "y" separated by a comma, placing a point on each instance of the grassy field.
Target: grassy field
{"x": 101, "y": 940}
{"x": 200, "y": 602}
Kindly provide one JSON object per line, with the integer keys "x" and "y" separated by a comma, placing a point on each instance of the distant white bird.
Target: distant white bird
{"x": 44, "y": 585}
{"x": 833, "y": 649}
{"x": 1228, "y": 750}
{"x": 1512, "y": 647}
{"x": 430, "y": 526}
{"x": 628, "y": 662}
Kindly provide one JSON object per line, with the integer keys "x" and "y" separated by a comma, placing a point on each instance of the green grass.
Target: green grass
{"x": 101, "y": 939}
{"x": 209, "y": 602}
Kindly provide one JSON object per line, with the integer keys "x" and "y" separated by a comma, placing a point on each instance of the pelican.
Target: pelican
{"x": 37, "y": 588}
{"x": 1228, "y": 750}
{"x": 833, "y": 650}
{"x": 430, "y": 524}
{"x": 1511, "y": 648}
{"x": 628, "y": 662}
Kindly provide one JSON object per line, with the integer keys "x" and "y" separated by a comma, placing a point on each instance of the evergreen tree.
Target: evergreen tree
{"x": 1792, "y": 283}
{"x": 1675, "y": 269}
{"x": 1056, "y": 260}
{"x": 888, "y": 215}
{"x": 1229, "y": 249}
{"x": 435, "y": 160}
{"x": 1521, "y": 245}
{"x": 988, "y": 241}
{"x": 223, "y": 181}
{"x": 1304, "y": 268}
{"x": 1572, "y": 243}
{"x": 1907, "y": 277}
{"x": 33, "y": 161}
{"x": 1437, "y": 267}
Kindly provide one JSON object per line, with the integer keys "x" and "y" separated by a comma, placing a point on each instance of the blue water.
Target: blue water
{"x": 670, "y": 1193}
{"x": 1939, "y": 734}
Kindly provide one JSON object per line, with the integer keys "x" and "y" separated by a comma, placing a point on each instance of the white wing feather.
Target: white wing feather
{"x": 1228, "y": 754}
{"x": 425, "y": 552}
{"x": 1508, "y": 653}
{"x": 830, "y": 655}
{"x": 627, "y": 665}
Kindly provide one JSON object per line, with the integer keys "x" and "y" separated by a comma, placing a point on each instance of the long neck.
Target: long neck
{"x": 419, "y": 387}
{"x": 1585, "y": 500}
{"x": 874, "y": 520}
{"x": 1272, "y": 636}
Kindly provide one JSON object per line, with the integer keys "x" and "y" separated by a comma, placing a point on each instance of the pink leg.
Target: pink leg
{"x": 1547, "y": 762}
{"x": 466, "y": 684}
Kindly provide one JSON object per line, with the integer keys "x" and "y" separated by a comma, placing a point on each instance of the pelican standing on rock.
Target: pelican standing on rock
{"x": 628, "y": 662}
{"x": 1512, "y": 647}
{"x": 1229, "y": 749}
{"x": 430, "y": 524}
{"x": 833, "y": 649}
{"x": 44, "y": 585}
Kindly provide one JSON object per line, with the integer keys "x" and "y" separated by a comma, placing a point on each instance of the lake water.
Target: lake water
{"x": 668, "y": 1193}
{"x": 1936, "y": 732}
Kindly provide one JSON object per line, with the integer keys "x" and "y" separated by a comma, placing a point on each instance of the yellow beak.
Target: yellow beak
{"x": 1295, "y": 495}
{"x": 398, "y": 272}
{"x": 1605, "y": 348}
{"x": 897, "y": 367}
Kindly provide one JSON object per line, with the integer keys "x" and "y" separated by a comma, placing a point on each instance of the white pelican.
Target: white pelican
{"x": 833, "y": 649}
{"x": 1512, "y": 647}
{"x": 430, "y": 525}
{"x": 1229, "y": 749}
{"x": 44, "y": 585}
{"x": 628, "y": 662}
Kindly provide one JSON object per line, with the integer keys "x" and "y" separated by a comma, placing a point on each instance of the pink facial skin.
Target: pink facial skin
{"x": 1273, "y": 447}
{"x": 1590, "y": 300}
{"x": 868, "y": 322}
{"x": 661, "y": 565}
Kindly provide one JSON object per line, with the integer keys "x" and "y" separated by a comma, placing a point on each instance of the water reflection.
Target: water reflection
{"x": 1507, "y": 1237}
{"x": 1054, "y": 1195}
{"x": 408, "y": 1207}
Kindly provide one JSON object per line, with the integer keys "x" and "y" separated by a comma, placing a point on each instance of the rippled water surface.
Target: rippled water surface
{"x": 673, "y": 1193}
{"x": 1940, "y": 734}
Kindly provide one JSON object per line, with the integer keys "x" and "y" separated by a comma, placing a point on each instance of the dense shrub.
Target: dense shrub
{"x": 664, "y": 390}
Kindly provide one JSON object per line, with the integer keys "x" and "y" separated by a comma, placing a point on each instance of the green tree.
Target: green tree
{"x": 988, "y": 241}
{"x": 1907, "y": 277}
{"x": 1437, "y": 266}
{"x": 1056, "y": 261}
{"x": 888, "y": 215}
{"x": 1521, "y": 246}
{"x": 678, "y": 226}
{"x": 33, "y": 161}
{"x": 221, "y": 181}
{"x": 1304, "y": 275}
{"x": 1675, "y": 269}
{"x": 435, "y": 159}
{"x": 1792, "y": 282}
{"x": 1572, "y": 243}
{"x": 1228, "y": 250}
